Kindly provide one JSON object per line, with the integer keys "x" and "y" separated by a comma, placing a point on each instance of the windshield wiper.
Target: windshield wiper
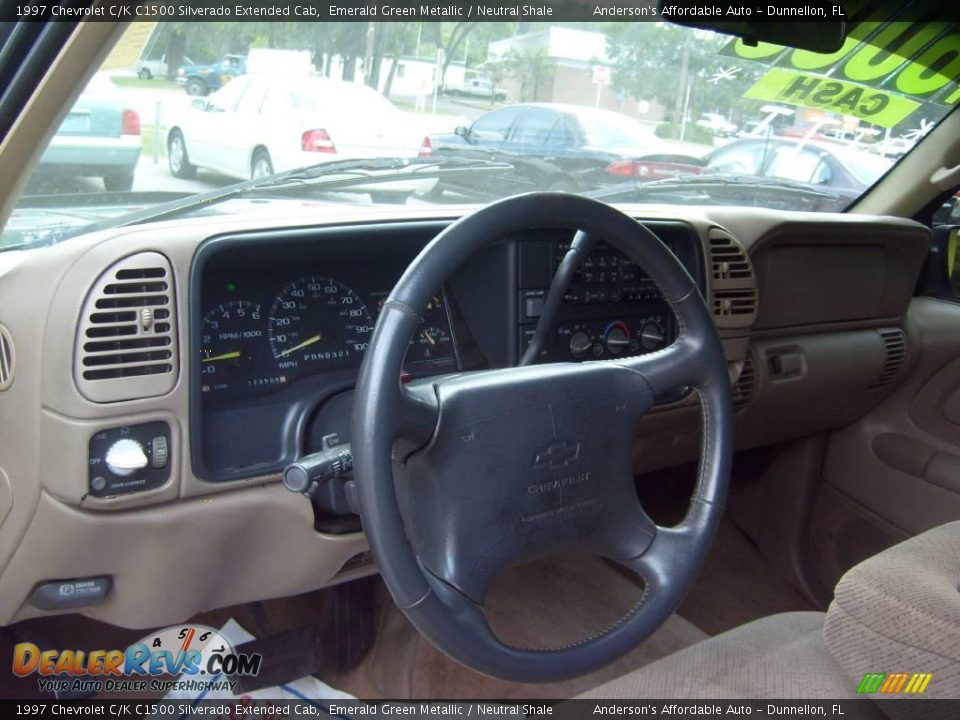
{"x": 636, "y": 189}
{"x": 378, "y": 169}
{"x": 329, "y": 176}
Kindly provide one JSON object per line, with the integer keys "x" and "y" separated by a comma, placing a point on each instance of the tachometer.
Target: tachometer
{"x": 229, "y": 338}
{"x": 318, "y": 322}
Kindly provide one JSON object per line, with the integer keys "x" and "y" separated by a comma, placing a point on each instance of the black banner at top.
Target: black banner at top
{"x": 284, "y": 706}
{"x": 734, "y": 11}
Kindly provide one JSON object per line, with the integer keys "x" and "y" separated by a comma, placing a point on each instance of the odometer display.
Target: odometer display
{"x": 317, "y": 323}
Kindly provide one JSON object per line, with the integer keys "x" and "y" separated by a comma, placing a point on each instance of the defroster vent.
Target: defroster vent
{"x": 127, "y": 339}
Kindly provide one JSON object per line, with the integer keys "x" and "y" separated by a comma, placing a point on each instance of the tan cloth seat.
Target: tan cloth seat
{"x": 781, "y": 656}
{"x": 898, "y": 612}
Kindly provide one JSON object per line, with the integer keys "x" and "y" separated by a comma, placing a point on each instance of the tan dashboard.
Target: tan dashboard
{"x": 810, "y": 307}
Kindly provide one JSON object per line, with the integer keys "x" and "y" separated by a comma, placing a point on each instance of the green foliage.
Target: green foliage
{"x": 648, "y": 60}
{"x": 527, "y": 68}
{"x": 692, "y": 133}
{"x": 208, "y": 42}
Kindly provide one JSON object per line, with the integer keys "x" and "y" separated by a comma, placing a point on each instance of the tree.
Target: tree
{"x": 449, "y": 39}
{"x": 641, "y": 51}
{"x": 527, "y": 69}
{"x": 390, "y": 40}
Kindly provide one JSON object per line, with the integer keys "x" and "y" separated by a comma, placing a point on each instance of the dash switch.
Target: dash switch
{"x": 160, "y": 452}
{"x": 786, "y": 364}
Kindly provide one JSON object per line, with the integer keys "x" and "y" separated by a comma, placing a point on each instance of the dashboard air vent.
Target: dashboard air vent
{"x": 733, "y": 283}
{"x": 127, "y": 339}
{"x": 728, "y": 261}
{"x": 730, "y": 303}
{"x": 7, "y": 359}
{"x": 746, "y": 385}
{"x": 895, "y": 344}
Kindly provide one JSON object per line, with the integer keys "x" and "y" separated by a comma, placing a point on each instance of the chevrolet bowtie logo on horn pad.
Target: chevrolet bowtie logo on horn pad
{"x": 557, "y": 455}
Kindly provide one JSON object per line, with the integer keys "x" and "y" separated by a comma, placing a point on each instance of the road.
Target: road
{"x": 157, "y": 177}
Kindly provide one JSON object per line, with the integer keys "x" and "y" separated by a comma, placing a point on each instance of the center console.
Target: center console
{"x": 611, "y": 309}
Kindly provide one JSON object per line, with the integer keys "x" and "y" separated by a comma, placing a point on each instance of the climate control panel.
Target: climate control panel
{"x": 600, "y": 339}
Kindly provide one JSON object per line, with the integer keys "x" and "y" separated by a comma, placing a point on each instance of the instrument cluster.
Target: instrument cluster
{"x": 261, "y": 333}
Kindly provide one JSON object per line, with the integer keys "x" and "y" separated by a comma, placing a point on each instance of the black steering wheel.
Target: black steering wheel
{"x": 461, "y": 476}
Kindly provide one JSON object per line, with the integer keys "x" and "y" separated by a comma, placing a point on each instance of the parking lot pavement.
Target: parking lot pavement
{"x": 461, "y": 108}
{"x": 157, "y": 177}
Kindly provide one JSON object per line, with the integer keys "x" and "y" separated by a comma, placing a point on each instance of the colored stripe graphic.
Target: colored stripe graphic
{"x": 894, "y": 683}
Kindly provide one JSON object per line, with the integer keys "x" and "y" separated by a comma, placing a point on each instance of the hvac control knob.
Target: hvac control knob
{"x": 125, "y": 457}
{"x": 651, "y": 336}
{"x": 580, "y": 344}
{"x": 617, "y": 338}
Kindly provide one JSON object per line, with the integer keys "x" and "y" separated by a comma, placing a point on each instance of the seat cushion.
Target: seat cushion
{"x": 780, "y": 656}
{"x": 899, "y": 612}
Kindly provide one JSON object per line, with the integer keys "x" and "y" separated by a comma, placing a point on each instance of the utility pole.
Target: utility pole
{"x": 682, "y": 90}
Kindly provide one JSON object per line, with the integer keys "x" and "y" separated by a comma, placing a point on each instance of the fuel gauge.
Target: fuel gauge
{"x": 433, "y": 341}
{"x": 430, "y": 351}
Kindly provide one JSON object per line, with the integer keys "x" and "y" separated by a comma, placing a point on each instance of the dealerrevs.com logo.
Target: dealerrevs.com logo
{"x": 199, "y": 655}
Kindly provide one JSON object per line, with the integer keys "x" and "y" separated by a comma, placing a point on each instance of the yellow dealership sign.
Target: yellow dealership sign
{"x": 826, "y": 93}
{"x": 883, "y": 72}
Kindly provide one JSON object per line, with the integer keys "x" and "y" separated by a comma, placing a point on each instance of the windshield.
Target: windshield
{"x": 433, "y": 112}
{"x": 612, "y": 129}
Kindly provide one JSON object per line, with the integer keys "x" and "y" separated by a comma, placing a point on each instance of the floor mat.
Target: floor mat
{"x": 539, "y": 605}
{"x": 737, "y": 585}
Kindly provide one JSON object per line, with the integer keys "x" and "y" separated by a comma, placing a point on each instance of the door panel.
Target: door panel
{"x": 896, "y": 471}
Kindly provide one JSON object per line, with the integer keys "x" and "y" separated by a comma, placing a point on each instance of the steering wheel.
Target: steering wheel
{"x": 459, "y": 477}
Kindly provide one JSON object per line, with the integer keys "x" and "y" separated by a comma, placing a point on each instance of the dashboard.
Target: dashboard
{"x": 280, "y": 325}
{"x": 181, "y": 366}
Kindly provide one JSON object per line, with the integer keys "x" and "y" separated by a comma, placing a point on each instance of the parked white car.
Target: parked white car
{"x": 260, "y": 124}
{"x": 478, "y": 88}
{"x": 717, "y": 125}
{"x": 147, "y": 69}
{"x": 893, "y": 147}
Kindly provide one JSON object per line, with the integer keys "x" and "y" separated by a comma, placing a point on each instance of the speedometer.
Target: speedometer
{"x": 318, "y": 322}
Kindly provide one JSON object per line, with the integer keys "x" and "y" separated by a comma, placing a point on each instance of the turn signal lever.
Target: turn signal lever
{"x": 316, "y": 477}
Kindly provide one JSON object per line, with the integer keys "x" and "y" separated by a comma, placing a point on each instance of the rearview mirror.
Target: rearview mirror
{"x": 198, "y": 104}
{"x": 823, "y": 36}
{"x": 462, "y": 131}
